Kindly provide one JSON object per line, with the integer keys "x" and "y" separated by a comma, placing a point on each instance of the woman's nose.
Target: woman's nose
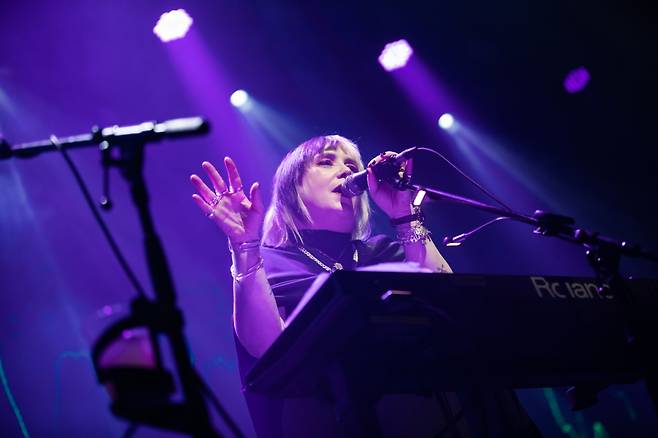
{"x": 345, "y": 172}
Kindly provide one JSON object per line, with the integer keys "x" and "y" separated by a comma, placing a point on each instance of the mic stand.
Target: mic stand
{"x": 141, "y": 394}
{"x": 161, "y": 316}
{"x": 195, "y": 418}
{"x": 547, "y": 224}
{"x": 603, "y": 254}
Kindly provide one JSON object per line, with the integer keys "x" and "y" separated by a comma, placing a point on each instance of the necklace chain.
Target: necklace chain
{"x": 337, "y": 266}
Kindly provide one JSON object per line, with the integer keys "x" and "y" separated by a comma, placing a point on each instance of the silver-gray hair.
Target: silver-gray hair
{"x": 287, "y": 210}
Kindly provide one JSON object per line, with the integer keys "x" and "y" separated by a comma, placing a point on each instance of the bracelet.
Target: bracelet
{"x": 417, "y": 215}
{"x": 245, "y": 246}
{"x": 238, "y": 277}
{"x": 417, "y": 233}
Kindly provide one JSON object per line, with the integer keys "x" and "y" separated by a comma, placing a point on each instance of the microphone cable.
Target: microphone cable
{"x": 468, "y": 178}
{"x": 132, "y": 278}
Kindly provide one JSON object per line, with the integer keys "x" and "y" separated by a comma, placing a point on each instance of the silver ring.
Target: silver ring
{"x": 210, "y": 215}
{"x": 215, "y": 200}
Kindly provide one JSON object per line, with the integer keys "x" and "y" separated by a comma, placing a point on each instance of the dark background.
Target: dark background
{"x": 312, "y": 68}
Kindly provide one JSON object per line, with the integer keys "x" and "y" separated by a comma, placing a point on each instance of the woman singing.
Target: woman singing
{"x": 310, "y": 228}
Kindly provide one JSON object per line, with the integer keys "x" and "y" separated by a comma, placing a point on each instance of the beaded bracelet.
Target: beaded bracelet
{"x": 416, "y": 233}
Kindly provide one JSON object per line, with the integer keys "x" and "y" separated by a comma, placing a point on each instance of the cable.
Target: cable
{"x": 461, "y": 238}
{"x": 12, "y": 402}
{"x": 106, "y": 232}
{"x": 471, "y": 180}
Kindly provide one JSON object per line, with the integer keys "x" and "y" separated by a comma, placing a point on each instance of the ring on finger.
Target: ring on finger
{"x": 233, "y": 191}
{"x": 215, "y": 200}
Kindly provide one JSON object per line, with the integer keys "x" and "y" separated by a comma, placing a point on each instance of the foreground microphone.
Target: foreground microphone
{"x": 155, "y": 131}
{"x": 386, "y": 170}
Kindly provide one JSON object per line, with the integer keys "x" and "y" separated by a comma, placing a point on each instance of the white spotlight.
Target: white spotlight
{"x": 239, "y": 98}
{"x": 446, "y": 121}
{"x": 173, "y": 25}
{"x": 395, "y": 55}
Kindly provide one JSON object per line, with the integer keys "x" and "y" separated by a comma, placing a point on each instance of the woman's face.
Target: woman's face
{"x": 320, "y": 189}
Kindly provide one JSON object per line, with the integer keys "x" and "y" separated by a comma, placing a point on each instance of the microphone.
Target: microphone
{"x": 386, "y": 170}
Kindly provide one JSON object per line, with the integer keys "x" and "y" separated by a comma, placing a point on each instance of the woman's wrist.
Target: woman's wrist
{"x": 413, "y": 214}
{"x": 239, "y": 275}
{"x": 242, "y": 243}
{"x": 410, "y": 228}
{"x": 244, "y": 255}
{"x": 412, "y": 233}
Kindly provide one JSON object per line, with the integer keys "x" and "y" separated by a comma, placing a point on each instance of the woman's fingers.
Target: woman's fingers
{"x": 406, "y": 168}
{"x": 380, "y": 157}
{"x": 203, "y": 205}
{"x": 235, "y": 196}
{"x": 234, "y": 179}
{"x": 216, "y": 179}
{"x": 256, "y": 199}
{"x": 207, "y": 195}
{"x": 409, "y": 166}
{"x": 235, "y": 213}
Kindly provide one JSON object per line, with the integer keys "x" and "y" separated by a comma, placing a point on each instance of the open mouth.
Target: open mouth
{"x": 337, "y": 189}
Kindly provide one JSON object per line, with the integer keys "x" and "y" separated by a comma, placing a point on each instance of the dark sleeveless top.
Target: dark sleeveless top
{"x": 290, "y": 273}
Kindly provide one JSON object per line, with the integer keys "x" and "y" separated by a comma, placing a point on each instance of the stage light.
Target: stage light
{"x": 395, "y": 55}
{"x": 447, "y": 122}
{"x": 576, "y": 80}
{"x": 239, "y": 98}
{"x": 173, "y": 25}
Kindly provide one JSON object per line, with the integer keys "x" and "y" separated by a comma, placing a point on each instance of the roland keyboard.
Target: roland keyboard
{"x": 417, "y": 331}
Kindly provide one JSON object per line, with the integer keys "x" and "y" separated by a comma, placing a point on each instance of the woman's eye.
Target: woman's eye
{"x": 328, "y": 162}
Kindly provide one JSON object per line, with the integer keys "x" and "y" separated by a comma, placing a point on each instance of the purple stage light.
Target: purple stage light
{"x": 576, "y": 80}
{"x": 173, "y": 25}
{"x": 395, "y": 55}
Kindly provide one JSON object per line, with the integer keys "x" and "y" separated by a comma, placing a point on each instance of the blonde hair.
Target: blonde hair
{"x": 287, "y": 210}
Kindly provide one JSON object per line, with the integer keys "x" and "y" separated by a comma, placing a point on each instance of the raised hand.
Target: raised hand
{"x": 393, "y": 202}
{"x": 238, "y": 216}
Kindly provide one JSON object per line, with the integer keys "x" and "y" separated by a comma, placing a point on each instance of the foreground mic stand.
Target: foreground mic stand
{"x": 141, "y": 395}
{"x": 603, "y": 254}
